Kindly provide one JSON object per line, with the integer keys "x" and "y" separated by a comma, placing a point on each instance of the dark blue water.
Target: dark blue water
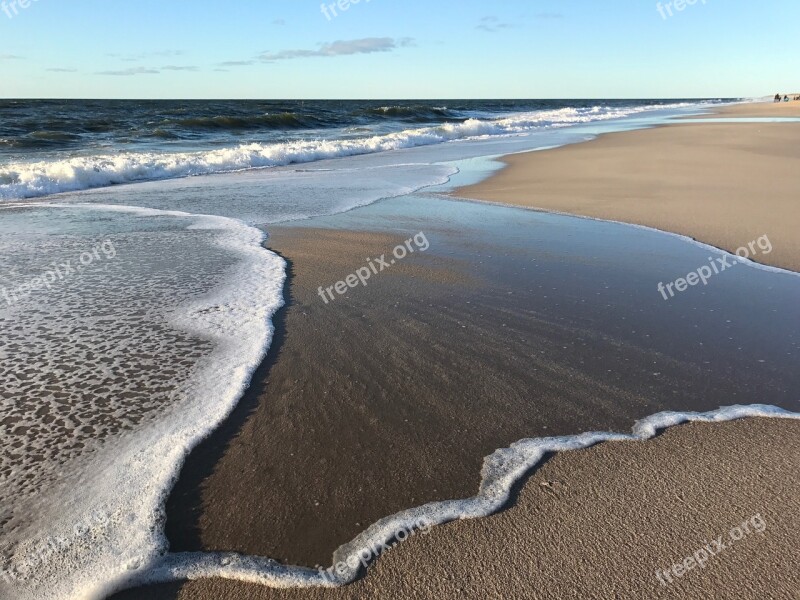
{"x": 51, "y": 146}
{"x": 29, "y": 127}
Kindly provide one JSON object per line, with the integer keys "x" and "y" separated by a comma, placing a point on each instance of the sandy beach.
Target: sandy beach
{"x": 761, "y": 109}
{"x": 722, "y": 184}
{"x": 612, "y": 524}
{"x": 397, "y": 300}
{"x": 346, "y": 424}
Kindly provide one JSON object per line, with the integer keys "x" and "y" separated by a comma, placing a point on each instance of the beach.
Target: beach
{"x": 722, "y": 184}
{"x": 406, "y": 301}
{"x": 238, "y": 366}
{"x": 761, "y": 109}
{"x": 598, "y": 524}
{"x": 517, "y": 324}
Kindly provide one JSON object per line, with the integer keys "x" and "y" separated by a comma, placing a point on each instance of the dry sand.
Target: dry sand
{"x": 599, "y": 523}
{"x": 762, "y": 109}
{"x": 723, "y": 184}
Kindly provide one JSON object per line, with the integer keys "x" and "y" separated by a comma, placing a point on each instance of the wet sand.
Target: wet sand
{"x": 391, "y": 396}
{"x": 723, "y": 184}
{"x": 380, "y": 401}
{"x": 600, "y": 523}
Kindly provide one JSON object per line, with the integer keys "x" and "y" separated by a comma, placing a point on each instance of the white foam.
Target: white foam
{"x": 120, "y": 498}
{"x": 501, "y": 471}
{"x": 28, "y": 180}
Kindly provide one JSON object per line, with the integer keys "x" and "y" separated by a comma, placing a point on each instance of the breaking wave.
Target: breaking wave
{"x": 32, "y": 179}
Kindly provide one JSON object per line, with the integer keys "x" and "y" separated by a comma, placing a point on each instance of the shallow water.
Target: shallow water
{"x": 139, "y": 344}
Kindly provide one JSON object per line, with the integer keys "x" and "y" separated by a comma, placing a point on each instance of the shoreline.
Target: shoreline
{"x": 588, "y": 179}
{"x": 716, "y": 249}
{"x": 218, "y": 485}
{"x": 552, "y": 477}
{"x": 432, "y": 286}
{"x": 765, "y": 108}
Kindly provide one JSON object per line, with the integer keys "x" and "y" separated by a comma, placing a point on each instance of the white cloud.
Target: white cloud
{"x": 492, "y": 24}
{"x": 340, "y": 48}
{"x": 180, "y": 68}
{"x": 130, "y": 72}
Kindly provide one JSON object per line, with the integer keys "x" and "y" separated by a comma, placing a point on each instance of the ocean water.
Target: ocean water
{"x": 50, "y": 146}
{"x": 134, "y": 315}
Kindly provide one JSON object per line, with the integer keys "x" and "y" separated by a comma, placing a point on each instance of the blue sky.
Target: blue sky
{"x": 397, "y": 49}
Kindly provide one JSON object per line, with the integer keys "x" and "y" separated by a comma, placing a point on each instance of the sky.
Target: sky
{"x": 397, "y": 48}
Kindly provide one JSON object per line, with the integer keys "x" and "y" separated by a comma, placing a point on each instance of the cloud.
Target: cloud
{"x": 492, "y": 24}
{"x": 10, "y": 57}
{"x": 130, "y": 72}
{"x": 341, "y": 48}
{"x": 279, "y": 22}
{"x": 144, "y": 55}
{"x": 236, "y": 63}
{"x": 180, "y": 68}
{"x": 62, "y": 70}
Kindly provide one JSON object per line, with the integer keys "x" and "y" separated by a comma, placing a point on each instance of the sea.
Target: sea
{"x": 52, "y": 146}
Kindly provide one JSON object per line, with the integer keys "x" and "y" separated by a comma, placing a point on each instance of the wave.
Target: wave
{"x": 29, "y": 180}
{"x": 415, "y": 113}
{"x": 501, "y": 471}
{"x": 286, "y": 120}
{"x": 41, "y": 140}
{"x": 162, "y": 134}
{"x": 68, "y": 124}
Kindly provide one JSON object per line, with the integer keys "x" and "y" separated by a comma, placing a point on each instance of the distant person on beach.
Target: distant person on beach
{"x": 777, "y": 98}
{"x": 786, "y": 98}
